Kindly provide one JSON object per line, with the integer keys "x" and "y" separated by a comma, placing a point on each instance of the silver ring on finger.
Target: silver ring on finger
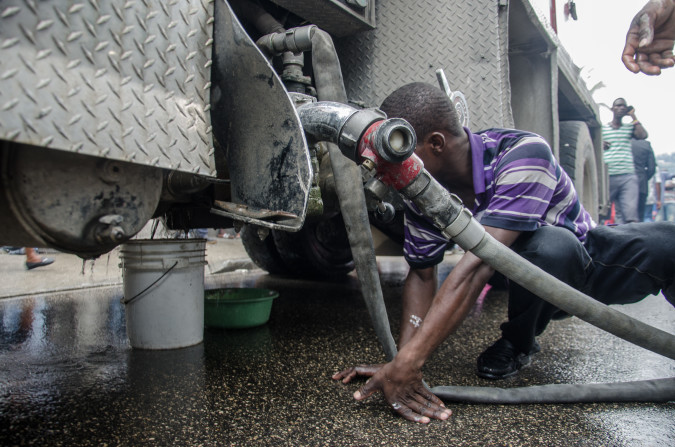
{"x": 396, "y": 406}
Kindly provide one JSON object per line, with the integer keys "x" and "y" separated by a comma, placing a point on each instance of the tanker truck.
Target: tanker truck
{"x": 116, "y": 113}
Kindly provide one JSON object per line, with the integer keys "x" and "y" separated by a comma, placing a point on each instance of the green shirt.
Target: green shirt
{"x": 619, "y": 156}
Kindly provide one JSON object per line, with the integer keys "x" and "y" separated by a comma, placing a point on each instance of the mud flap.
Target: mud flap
{"x": 257, "y": 127}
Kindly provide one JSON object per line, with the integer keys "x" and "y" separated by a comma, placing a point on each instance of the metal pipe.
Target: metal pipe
{"x": 336, "y": 123}
{"x": 295, "y": 40}
{"x": 327, "y": 72}
{"x": 253, "y": 12}
{"x": 346, "y": 126}
{"x": 342, "y": 126}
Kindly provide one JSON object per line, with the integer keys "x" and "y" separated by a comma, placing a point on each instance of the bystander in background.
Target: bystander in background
{"x": 667, "y": 211}
{"x": 34, "y": 261}
{"x": 645, "y": 167}
{"x": 653, "y": 202}
{"x": 618, "y": 156}
{"x": 32, "y": 258}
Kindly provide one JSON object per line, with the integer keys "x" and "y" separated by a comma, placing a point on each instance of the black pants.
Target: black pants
{"x": 616, "y": 265}
{"x": 642, "y": 203}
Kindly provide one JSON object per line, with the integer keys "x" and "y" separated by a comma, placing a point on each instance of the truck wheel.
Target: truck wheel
{"x": 263, "y": 252}
{"x": 577, "y": 158}
{"x": 319, "y": 250}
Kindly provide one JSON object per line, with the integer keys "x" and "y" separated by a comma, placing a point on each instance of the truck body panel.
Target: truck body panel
{"x": 123, "y": 81}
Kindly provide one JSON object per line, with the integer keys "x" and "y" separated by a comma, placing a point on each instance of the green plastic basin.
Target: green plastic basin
{"x": 237, "y": 307}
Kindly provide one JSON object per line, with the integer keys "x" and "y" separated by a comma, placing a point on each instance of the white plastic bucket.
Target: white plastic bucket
{"x": 164, "y": 292}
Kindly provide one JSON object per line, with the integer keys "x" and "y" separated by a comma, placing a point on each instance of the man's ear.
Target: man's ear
{"x": 436, "y": 142}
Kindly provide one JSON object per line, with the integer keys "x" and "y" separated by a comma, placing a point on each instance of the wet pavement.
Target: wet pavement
{"x": 71, "y": 273}
{"x": 69, "y": 377}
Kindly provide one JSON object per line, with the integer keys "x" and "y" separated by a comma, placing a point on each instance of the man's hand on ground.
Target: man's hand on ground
{"x": 406, "y": 394}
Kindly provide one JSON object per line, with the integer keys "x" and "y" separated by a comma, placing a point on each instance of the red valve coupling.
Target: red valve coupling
{"x": 397, "y": 175}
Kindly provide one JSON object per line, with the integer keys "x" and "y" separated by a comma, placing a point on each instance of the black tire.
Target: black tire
{"x": 577, "y": 158}
{"x": 319, "y": 250}
{"x": 263, "y": 252}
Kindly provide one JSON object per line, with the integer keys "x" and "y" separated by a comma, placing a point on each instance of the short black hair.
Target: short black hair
{"x": 620, "y": 99}
{"x": 425, "y": 107}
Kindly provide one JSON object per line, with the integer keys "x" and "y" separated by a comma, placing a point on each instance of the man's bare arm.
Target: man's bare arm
{"x": 639, "y": 131}
{"x": 401, "y": 379}
{"x": 454, "y": 300}
{"x": 418, "y": 293}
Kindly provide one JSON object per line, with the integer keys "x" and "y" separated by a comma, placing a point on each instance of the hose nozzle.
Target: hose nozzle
{"x": 394, "y": 140}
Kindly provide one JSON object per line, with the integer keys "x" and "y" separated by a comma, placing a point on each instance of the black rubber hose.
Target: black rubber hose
{"x": 567, "y": 298}
{"x": 657, "y": 390}
{"x": 471, "y": 236}
{"x": 348, "y": 182}
{"x": 352, "y": 199}
{"x": 253, "y": 12}
{"x": 327, "y": 72}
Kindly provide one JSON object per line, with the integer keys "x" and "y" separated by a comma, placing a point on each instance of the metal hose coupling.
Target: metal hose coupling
{"x": 445, "y": 210}
{"x": 393, "y": 140}
{"x": 387, "y": 149}
{"x": 295, "y": 40}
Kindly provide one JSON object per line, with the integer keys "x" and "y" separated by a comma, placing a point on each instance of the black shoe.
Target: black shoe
{"x": 43, "y": 262}
{"x": 502, "y": 360}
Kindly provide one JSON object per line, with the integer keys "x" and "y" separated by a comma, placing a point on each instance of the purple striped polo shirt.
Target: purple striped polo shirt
{"x": 519, "y": 186}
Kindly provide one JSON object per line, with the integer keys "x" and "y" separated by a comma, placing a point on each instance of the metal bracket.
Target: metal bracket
{"x": 457, "y": 98}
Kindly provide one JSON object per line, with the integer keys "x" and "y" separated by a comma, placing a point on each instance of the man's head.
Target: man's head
{"x": 425, "y": 107}
{"x": 440, "y": 136}
{"x": 620, "y": 107}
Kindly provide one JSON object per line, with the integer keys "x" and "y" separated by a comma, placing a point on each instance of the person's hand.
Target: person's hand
{"x": 406, "y": 394}
{"x": 631, "y": 112}
{"x": 650, "y": 38}
{"x": 346, "y": 375}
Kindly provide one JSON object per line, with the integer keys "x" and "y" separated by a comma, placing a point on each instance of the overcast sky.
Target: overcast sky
{"x": 595, "y": 42}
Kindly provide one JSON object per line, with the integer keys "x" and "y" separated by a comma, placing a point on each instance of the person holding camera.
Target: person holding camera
{"x": 618, "y": 155}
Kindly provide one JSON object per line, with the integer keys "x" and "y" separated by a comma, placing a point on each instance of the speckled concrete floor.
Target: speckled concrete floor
{"x": 69, "y": 377}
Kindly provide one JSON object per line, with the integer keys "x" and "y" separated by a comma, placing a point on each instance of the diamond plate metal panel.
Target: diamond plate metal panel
{"x": 121, "y": 80}
{"x": 413, "y": 39}
{"x": 333, "y": 16}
